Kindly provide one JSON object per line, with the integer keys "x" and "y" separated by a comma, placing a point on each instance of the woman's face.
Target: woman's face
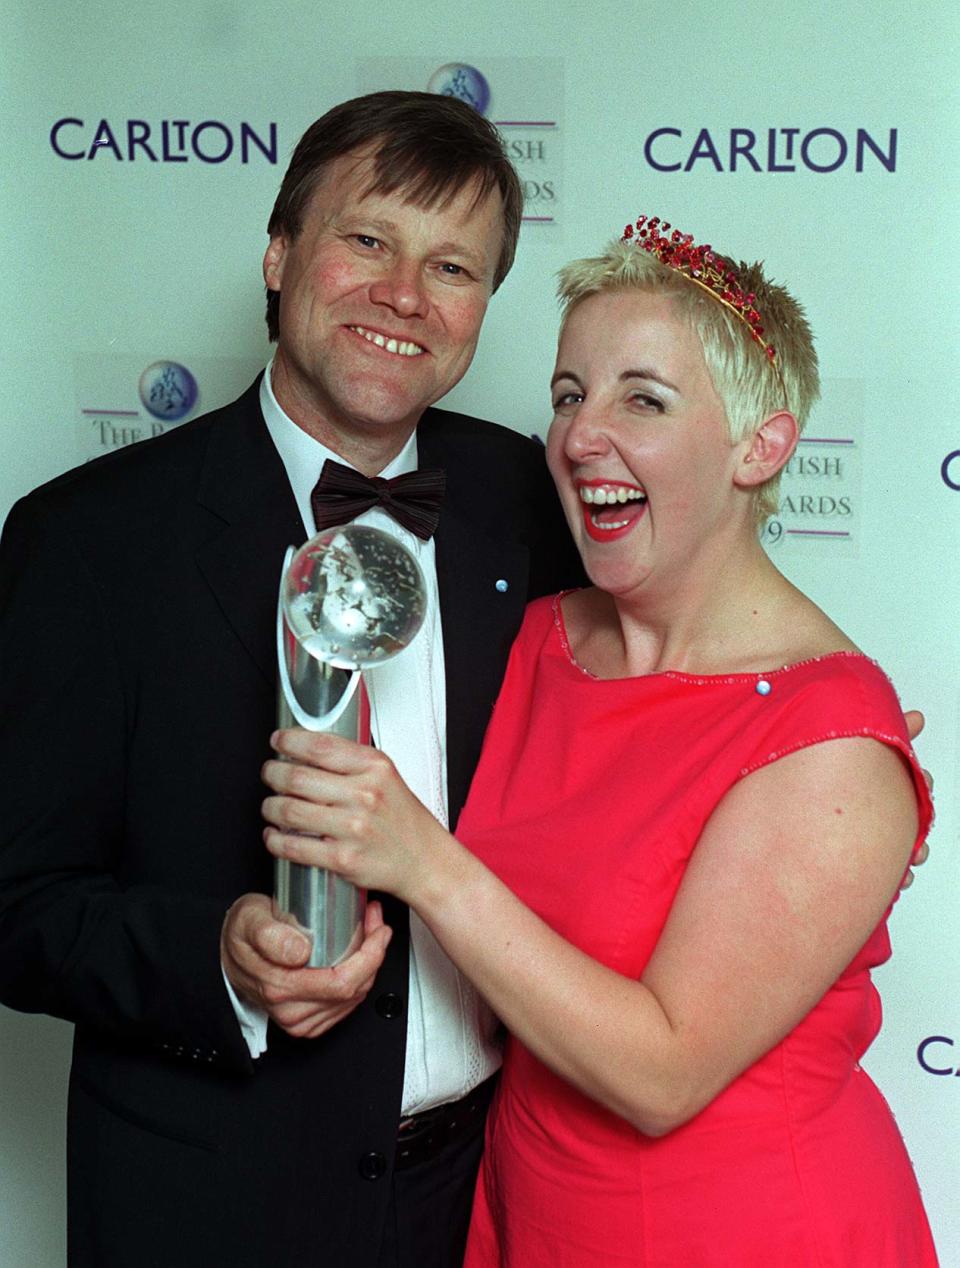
{"x": 639, "y": 446}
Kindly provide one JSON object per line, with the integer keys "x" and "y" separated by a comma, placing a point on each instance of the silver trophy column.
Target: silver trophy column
{"x": 350, "y": 599}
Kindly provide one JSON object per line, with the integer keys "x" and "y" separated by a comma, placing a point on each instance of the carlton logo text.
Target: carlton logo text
{"x": 937, "y": 1054}
{"x": 770, "y": 150}
{"x": 163, "y": 141}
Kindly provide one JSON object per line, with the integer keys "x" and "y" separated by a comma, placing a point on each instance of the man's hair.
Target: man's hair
{"x": 743, "y": 378}
{"x": 427, "y": 146}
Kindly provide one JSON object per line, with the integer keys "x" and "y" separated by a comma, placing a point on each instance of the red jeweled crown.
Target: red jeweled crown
{"x": 702, "y": 266}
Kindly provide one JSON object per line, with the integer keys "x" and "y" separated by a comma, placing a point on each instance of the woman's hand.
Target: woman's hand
{"x": 342, "y": 806}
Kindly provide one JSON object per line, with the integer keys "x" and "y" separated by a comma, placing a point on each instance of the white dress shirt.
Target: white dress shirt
{"x": 450, "y": 1031}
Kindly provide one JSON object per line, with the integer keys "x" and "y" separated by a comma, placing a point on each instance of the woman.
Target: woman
{"x": 694, "y": 806}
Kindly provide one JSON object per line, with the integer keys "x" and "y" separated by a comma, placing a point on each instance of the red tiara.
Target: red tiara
{"x": 705, "y": 269}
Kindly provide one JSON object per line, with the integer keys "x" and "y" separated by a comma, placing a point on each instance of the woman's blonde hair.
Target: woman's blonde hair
{"x": 743, "y": 377}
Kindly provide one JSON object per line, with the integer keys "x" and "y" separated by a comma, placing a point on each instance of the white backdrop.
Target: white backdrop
{"x": 112, "y": 264}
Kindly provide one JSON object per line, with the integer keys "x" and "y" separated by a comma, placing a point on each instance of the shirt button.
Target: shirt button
{"x": 389, "y": 1006}
{"x": 372, "y": 1166}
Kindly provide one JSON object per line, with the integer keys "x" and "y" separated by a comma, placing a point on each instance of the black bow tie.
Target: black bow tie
{"x": 341, "y": 494}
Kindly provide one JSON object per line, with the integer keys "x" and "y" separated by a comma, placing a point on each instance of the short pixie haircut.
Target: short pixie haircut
{"x": 427, "y": 146}
{"x": 743, "y": 378}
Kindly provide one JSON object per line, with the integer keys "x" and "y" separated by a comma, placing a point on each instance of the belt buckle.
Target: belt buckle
{"x": 413, "y": 1127}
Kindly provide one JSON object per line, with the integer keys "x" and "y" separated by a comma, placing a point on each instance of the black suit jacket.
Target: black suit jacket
{"x": 137, "y": 694}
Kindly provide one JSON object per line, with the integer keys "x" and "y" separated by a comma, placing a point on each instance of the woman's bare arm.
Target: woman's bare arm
{"x": 792, "y": 872}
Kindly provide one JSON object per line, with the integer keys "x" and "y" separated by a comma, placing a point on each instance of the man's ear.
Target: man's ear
{"x": 768, "y": 450}
{"x": 273, "y": 260}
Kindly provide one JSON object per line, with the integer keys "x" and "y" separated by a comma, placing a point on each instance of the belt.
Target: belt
{"x": 422, "y": 1136}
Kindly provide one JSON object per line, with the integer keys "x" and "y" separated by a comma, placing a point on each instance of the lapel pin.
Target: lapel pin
{"x": 503, "y": 586}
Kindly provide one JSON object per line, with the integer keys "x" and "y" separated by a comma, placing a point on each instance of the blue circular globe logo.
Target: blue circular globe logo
{"x": 456, "y": 79}
{"x": 168, "y": 390}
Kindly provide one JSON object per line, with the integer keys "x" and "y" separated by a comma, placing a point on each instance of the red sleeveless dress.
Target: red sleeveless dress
{"x": 588, "y": 802}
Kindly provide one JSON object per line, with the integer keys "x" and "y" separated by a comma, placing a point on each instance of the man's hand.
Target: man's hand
{"x": 264, "y": 958}
{"x": 915, "y": 723}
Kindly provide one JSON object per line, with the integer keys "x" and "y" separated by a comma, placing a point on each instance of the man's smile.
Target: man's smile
{"x": 400, "y": 347}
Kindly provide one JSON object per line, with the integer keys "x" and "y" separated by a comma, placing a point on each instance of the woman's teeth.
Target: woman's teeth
{"x": 603, "y": 498}
{"x": 594, "y": 496}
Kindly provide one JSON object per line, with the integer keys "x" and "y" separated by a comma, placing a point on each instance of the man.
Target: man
{"x": 138, "y": 698}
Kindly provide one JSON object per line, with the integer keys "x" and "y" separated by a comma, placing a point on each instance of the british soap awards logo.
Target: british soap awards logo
{"x": 464, "y": 82}
{"x": 123, "y": 398}
{"x": 821, "y": 494}
{"x": 168, "y": 390}
{"x": 531, "y": 143}
{"x": 521, "y": 96}
{"x": 119, "y": 402}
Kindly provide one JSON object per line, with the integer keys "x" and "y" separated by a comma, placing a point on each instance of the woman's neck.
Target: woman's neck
{"x": 738, "y": 616}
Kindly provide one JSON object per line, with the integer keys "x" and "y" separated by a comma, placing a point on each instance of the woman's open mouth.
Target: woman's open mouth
{"x": 610, "y": 508}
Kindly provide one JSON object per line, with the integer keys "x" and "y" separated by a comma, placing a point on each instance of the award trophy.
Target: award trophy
{"x": 351, "y": 598}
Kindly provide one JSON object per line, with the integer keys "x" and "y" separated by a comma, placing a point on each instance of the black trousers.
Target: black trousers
{"x": 429, "y": 1210}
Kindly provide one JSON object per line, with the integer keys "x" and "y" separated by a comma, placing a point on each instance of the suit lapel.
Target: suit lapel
{"x": 482, "y": 581}
{"x": 252, "y": 518}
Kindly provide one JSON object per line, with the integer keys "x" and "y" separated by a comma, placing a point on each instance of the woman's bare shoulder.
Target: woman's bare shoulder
{"x": 804, "y": 631}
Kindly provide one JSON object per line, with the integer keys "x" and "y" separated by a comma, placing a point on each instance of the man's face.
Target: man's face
{"x": 381, "y": 303}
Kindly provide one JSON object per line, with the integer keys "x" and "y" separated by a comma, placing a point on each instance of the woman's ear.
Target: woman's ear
{"x": 768, "y": 451}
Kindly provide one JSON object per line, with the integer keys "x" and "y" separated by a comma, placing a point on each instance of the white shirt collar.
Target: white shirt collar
{"x": 303, "y": 457}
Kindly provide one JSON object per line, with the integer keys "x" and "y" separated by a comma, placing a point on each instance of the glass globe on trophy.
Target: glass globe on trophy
{"x": 351, "y": 598}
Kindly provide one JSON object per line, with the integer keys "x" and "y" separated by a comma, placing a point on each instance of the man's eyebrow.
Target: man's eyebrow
{"x": 476, "y": 259}
{"x": 451, "y": 247}
{"x": 368, "y": 222}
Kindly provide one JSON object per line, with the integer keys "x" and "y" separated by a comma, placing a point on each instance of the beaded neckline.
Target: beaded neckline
{"x": 749, "y": 676}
